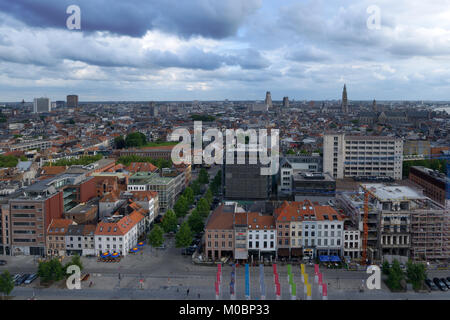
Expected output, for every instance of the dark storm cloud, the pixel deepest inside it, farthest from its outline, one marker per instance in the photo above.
(209, 18)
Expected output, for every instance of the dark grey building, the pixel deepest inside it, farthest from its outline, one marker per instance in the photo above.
(314, 184)
(244, 181)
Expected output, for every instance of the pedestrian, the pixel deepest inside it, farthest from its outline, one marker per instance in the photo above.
(187, 292)
(199, 295)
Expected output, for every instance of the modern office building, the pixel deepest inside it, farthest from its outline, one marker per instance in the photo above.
(291, 166)
(309, 185)
(268, 100)
(32, 211)
(41, 105)
(245, 181)
(72, 101)
(352, 156)
(168, 184)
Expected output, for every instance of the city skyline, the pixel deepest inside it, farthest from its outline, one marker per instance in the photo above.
(216, 51)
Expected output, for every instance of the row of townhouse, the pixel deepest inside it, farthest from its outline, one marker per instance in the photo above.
(296, 229)
(116, 233)
(306, 229)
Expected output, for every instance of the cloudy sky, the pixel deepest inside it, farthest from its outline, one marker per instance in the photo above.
(225, 49)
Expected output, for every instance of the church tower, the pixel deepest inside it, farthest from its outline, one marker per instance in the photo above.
(344, 100)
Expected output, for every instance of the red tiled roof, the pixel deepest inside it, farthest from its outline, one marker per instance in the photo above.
(141, 167)
(59, 226)
(119, 228)
(295, 211)
(110, 197)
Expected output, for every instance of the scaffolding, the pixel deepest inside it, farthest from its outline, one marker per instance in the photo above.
(430, 234)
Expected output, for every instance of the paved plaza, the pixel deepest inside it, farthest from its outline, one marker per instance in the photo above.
(166, 274)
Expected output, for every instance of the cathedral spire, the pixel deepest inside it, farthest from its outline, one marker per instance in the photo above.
(344, 100)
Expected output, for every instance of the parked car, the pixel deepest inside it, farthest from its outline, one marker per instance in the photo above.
(448, 279)
(16, 276)
(446, 282)
(22, 279)
(431, 285)
(31, 278)
(3, 262)
(440, 284)
(188, 251)
(161, 247)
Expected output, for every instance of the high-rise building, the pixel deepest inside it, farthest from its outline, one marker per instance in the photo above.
(352, 156)
(268, 100)
(344, 100)
(153, 109)
(286, 102)
(41, 105)
(244, 181)
(72, 101)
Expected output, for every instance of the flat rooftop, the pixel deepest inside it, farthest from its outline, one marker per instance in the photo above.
(384, 192)
(82, 208)
(313, 176)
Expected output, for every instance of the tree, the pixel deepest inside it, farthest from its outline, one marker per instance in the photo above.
(181, 207)
(155, 238)
(416, 274)
(203, 177)
(183, 237)
(6, 283)
(209, 197)
(51, 270)
(160, 163)
(119, 142)
(169, 221)
(395, 276)
(216, 183)
(76, 260)
(385, 268)
(195, 222)
(196, 187)
(189, 194)
(135, 139)
(203, 207)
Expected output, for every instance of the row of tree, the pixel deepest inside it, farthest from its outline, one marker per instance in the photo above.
(10, 161)
(435, 164)
(53, 270)
(415, 274)
(48, 271)
(160, 163)
(196, 220)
